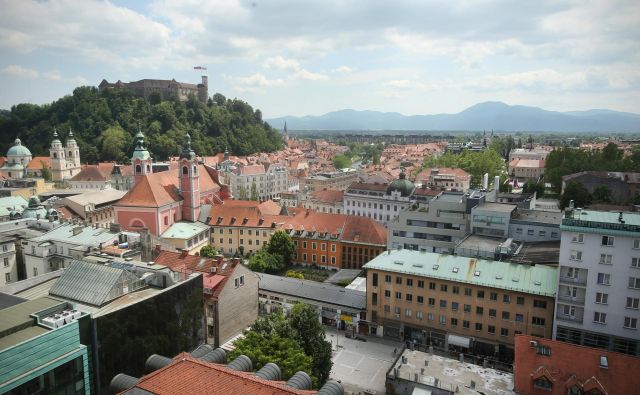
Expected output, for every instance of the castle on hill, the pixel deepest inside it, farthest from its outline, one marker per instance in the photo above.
(166, 88)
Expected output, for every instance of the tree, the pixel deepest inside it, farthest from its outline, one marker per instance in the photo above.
(311, 336)
(281, 245)
(340, 161)
(283, 351)
(611, 153)
(208, 251)
(294, 274)
(577, 192)
(45, 173)
(265, 262)
(601, 194)
(114, 141)
(242, 193)
(534, 187)
(254, 191)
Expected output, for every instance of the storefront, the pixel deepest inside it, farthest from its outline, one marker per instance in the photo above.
(393, 330)
(458, 343)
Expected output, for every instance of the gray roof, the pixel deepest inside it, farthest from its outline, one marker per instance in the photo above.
(18, 317)
(88, 283)
(538, 216)
(89, 235)
(7, 300)
(307, 289)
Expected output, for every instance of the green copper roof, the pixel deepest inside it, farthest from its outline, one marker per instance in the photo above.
(184, 230)
(403, 185)
(602, 222)
(18, 149)
(187, 151)
(140, 152)
(539, 280)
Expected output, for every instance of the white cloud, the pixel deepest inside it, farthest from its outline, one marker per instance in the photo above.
(309, 76)
(400, 84)
(280, 63)
(53, 75)
(343, 70)
(258, 80)
(19, 71)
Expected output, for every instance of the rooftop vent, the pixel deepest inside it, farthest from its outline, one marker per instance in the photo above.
(537, 283)
(476, 273)
(499, 277)
(418, 265)
(515, 279)
(455, 270)
(435, 267)
(398, 262)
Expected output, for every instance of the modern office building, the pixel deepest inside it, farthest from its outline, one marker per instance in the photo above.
(41, 350)
(598, 301)
(435, 226)
(471, 304)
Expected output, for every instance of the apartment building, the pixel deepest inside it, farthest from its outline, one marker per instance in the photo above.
(380, 202)
(325, 201)
(459, 303)
(528, 153)
(246, 181)
(241, 226)
(446, 178)
(339, 180)
(436, 226)
(599, 280)
(9, 267)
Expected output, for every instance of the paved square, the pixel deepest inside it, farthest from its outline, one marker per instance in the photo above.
(361, 365)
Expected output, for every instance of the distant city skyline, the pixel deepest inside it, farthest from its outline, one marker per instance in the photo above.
(314, 57)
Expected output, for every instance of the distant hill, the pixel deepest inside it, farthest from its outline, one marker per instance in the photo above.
(483, 116)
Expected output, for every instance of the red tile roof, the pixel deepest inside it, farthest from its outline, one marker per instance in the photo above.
(159, 189)
(189, 375)
(571, 364)
(251, 170)
(245, 213)
(330, 196)
(38, 162)
(364, 230)
(177, 261)
(93, 173)
(457, 172)
(365, 186)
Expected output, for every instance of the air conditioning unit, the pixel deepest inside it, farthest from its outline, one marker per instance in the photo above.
(533, 343)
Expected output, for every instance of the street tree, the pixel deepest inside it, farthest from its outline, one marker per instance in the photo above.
(281, 245)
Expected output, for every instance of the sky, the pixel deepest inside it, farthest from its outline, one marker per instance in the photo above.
(311, 57)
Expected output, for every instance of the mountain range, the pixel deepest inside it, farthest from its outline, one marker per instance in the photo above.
(496, 116)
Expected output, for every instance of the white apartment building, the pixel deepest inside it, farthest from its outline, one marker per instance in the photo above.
(380, 202)
(598, 302)
(8, 266)
(526, 153)
(268, 184)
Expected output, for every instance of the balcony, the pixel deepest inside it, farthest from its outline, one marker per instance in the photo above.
(569, 318)
(573, 280)
(571, 299)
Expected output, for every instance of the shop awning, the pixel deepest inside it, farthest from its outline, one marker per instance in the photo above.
(459, 341)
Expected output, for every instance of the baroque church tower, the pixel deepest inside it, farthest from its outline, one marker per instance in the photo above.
(189, 181)
(141, 160)
(65, 161)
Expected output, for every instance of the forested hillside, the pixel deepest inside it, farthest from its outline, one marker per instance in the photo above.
(104, 124)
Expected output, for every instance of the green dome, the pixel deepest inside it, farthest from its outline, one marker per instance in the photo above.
(18, 149)
(34, 201)
(402, 185)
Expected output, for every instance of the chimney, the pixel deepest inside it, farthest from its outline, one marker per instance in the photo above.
(157, 249)
(485, 181)
(496, 183)
(184, 253)
(77, 230)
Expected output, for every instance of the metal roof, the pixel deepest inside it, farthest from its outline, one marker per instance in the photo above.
(87, 282)
(7, 300)
(184, 230)
(18, 317)
(87, 236)
(540, 280)
(307, 289)
(20, 336)
(602, 222)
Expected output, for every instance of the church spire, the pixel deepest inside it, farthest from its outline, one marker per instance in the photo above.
(187, 151)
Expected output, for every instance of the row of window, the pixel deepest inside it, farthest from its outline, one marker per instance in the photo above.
(314, 258)
(250, 232)
(541, 233)
(455, 289)
(605, 259)
(314, 245)
(375, 205)
(607, 241)
(601, 318)
(603, 298)
(249, 241)
(442, 319)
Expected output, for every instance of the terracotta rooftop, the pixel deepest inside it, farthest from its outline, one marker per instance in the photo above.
(159, 189)
(457, 172)
(364, 230)
(189, 375)
(571, 365)
(245, 213)
(93, 173)
(251, 170)
(365, 186)
(38, 162)
(328, 196)
(177, 261)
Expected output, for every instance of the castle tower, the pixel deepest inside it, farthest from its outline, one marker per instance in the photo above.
(140, 160)
(56, 155)
(72, 157)
(189, 181)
